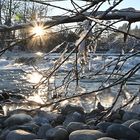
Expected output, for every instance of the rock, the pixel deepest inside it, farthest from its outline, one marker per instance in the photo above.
(116, 115)
(60, 126)
(57, 134)
(103, 126)
(43, 117)
(20, 135)
(93, 114)
(73, 117)
(17, 119)
(40, 139)
(91, 123)
(118, 121)
(73, 126)
(135, 126)
(106, 138)
(122, 132)
(19, 111)
(129, 122)
(4, 133)
(30, 127)
(100, 107)
(2, 119)
(59, 120)
(130, 115)
(86, 135)
(72, 108)
(42, 130)
(40, 120)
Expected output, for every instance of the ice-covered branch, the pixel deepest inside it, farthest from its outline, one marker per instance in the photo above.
(128, 14)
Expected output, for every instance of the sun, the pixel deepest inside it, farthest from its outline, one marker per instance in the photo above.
(39, 35)
(38, 30)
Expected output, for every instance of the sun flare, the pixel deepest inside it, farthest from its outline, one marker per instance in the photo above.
(38, 30)
(39, 35)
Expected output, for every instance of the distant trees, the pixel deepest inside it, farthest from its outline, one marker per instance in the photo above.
(14, 12)
(115, 40)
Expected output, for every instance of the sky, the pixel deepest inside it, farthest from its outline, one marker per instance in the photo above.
(124, 4)
(130, 3)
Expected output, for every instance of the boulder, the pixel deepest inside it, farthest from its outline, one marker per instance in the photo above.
(116, 115)
(40, 139)
(72, 108)
(4, 133)
(40, 120)
(57, 134)
(2, 119)
(106, 138)
(86, 135)
(73, 126)
(17, 119)
(129, 122)
(73, 117)
(122, 132)
(103, 126)
(20, 135)
(130, 115)
(43, 117)
(135, 126)
(30, 127)
(59, 120)
(93, 114)
(42, 130)
(91, 123)
(117, 121)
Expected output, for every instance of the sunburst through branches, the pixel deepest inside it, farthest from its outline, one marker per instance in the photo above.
(38, 30)
(39, 33)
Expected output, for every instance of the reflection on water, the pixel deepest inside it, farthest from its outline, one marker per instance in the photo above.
(36, 98)
(39, 53)
(34, 77)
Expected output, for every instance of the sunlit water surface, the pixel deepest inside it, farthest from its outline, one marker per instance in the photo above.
(18, 78)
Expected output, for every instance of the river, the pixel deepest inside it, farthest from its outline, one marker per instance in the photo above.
(20, 78)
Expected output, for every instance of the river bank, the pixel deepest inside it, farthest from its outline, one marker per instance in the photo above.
(70, 123)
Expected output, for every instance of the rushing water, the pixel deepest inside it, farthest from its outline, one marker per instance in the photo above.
(20, 78)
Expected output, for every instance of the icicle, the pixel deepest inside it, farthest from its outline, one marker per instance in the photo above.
(5, 110)
(122, 52)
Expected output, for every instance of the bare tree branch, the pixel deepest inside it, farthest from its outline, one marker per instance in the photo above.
(130, 15)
